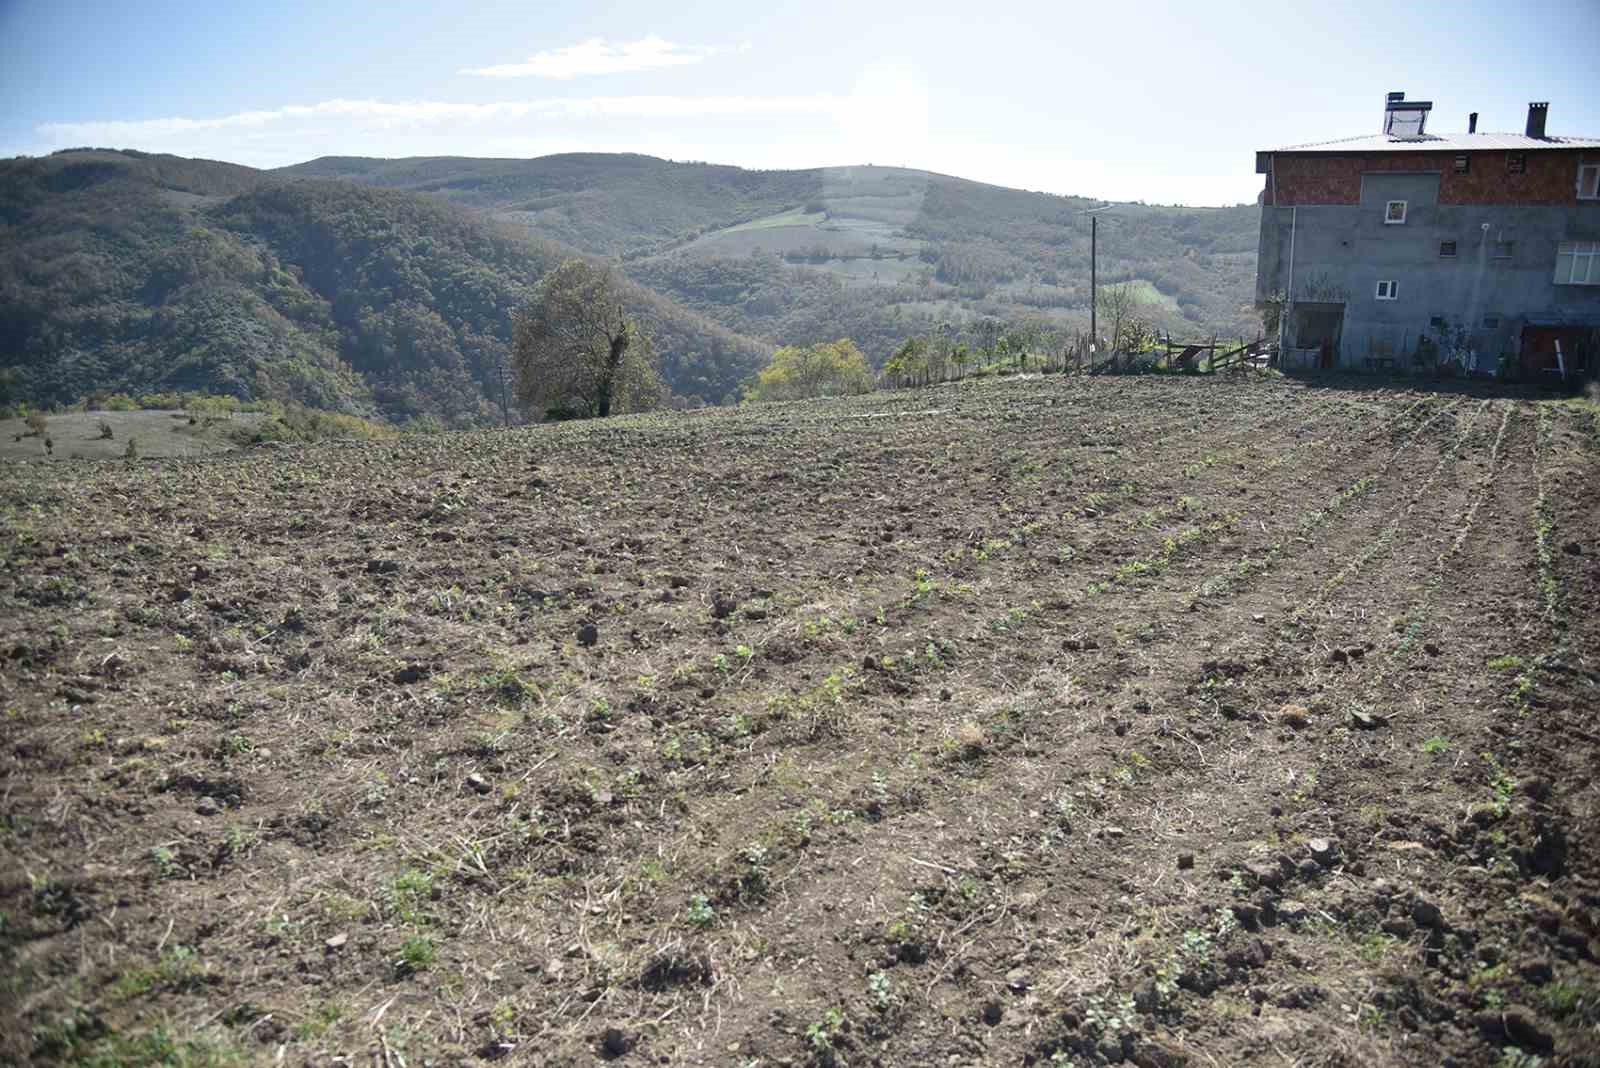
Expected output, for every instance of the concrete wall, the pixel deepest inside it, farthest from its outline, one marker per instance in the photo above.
(1341, 251)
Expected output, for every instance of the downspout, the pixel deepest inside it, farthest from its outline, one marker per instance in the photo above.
(1288, 297)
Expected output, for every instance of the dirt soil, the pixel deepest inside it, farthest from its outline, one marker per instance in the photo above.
(1049, 722)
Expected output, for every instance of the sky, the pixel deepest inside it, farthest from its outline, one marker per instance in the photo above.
(1161, 102)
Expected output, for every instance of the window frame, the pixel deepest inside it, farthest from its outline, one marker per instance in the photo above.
(1388, 212)
(1393, 285)
(1450, 245)
(1593, 170)
(1587, 252)
(1463, 163)
(1516, 163)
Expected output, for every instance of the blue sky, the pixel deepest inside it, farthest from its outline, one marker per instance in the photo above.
(1164, 102)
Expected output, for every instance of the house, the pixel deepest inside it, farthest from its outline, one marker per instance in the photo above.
(1408, 249)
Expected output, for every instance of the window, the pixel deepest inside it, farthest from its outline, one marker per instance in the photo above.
(1394, 212)
(1516, 163)
(1502, 250)
(1578, 263)
(1447, 249)
(1589, 181)
(1491, 322)
(1437, 322)
(1463, 162)
(1388, 289)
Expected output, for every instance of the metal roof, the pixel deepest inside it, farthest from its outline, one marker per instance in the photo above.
(1462, 142)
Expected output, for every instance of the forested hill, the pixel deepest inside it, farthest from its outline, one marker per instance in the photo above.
(616, 205)
(121, 271)
(386, 287)
(874, 253)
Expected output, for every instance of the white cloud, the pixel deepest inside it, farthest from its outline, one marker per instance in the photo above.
(598, 56)
(421, 113)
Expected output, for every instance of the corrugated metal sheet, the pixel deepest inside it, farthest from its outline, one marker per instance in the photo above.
(1463, 142)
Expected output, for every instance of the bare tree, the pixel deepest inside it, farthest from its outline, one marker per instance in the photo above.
(1122, 306)
(575, 350)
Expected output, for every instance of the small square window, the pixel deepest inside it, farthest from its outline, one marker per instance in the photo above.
(1388, 289)
(1516, 163)
(1437, 322)
(1463, 162)
(1491, 322)
(1447, 249)
(1394, 213)
(1502, 250)
(1589, 181)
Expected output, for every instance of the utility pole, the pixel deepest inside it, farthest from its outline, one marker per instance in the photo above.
(505, 407)
(1094, 280)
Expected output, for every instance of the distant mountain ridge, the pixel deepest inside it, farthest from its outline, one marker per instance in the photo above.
(907, 249)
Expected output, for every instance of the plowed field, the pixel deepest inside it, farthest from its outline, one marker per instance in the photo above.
(1067, 721)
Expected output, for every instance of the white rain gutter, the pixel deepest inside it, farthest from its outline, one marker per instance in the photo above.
(1288, 297)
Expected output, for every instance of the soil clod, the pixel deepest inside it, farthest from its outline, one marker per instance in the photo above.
(614, 1043)
(1296, 716)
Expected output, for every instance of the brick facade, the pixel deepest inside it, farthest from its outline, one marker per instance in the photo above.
(1551, 177)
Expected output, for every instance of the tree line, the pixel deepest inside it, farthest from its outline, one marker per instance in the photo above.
(578, 354)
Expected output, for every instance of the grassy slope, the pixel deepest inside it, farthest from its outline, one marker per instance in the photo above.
(77, 435)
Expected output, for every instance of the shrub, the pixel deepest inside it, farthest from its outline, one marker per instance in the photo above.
(825, 370)
(37, 423)
(105, 431)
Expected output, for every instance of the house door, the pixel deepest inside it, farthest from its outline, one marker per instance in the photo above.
(1317, 327)
(1538, 355)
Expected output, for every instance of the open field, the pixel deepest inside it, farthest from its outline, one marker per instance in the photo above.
(1046, 721)
(155, 433)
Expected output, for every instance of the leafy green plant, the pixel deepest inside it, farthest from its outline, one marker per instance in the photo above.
(1512, 1057)
(881, 989)
(823, 1033)
(1108, 1014)
(700, 913)
(416, 953)
(1565, 999)
(317, 1022)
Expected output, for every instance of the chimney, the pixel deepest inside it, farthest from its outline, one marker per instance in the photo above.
(1405, 118)
(1537, 112)
(1472, 123)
